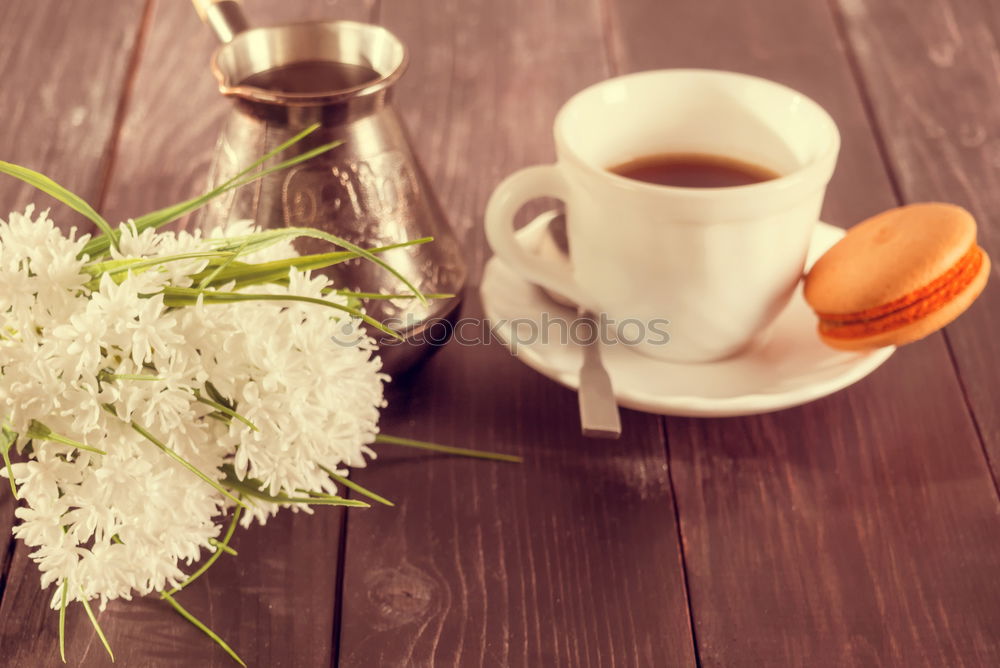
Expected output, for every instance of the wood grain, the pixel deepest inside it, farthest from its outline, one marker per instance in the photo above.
(935, 90)
(862, 529)
(570, 559)
(57, 113)
(858, 530)
(273, 603)
(63, 67)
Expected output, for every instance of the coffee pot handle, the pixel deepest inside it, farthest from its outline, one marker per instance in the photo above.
(514, 192)
(224, 17)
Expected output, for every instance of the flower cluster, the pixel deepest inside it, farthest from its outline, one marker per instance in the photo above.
(144, 412)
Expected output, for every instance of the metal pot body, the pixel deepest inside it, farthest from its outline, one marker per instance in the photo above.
(369, 190)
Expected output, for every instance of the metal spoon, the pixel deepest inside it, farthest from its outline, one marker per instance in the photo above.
(599, 417)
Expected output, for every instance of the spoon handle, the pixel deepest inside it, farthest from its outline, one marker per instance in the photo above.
(599, 417)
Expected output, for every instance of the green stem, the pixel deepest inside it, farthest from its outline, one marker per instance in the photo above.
(347, 245)
(126, 376)
(350, 484)
(219, 545)
(39, 432)
(183, 462)
(226, 410)
(203, 283)
(9, 438)
(178, 297)
(99, 245)
(124, 265)
(201, 627)
(62, 621)
(243, 274)
(96, 625)
(249, 489)
(224, 544)
(379, 295)
(158, 219)
(447, 449)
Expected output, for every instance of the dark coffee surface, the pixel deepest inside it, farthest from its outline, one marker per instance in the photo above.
(694, 170)
(312, 76)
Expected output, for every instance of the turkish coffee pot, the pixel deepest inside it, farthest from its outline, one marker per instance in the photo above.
(369, 190)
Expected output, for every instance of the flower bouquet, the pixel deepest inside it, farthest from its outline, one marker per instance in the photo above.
(160, 389)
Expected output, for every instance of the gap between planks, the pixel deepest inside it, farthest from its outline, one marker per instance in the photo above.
(882, 145)
(108, 162)
(615, 58)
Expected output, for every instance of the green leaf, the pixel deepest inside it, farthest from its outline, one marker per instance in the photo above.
(62, 621)
(296, 232)
(247, 273)
(226, 410)
(447, 449)
(204, 629)
(223, 547)
(124, 265)
(379, 295)
(158, 219)
(179, 297)
(155, 219)
(183, 462)
(207, 280)
(50, 187)
(7, 440)
(253, 488)
(214, 393)
(96, 625)
(350, 484)
(39, 432)
(276, 271)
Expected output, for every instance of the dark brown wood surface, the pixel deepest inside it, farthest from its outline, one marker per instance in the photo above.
(58, 114)
(834, 533)
(502, 559)
(935, 89)
(860, 530)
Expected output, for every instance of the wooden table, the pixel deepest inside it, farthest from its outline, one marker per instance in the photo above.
(859, 530)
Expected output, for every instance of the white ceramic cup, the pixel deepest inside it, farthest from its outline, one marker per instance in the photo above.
(718, 263)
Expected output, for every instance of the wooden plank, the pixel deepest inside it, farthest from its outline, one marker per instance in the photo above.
(571, 558)
(56, 120)
(568, 559)
(62, 68)
(275, 602)
(862, 529)
(935, 89)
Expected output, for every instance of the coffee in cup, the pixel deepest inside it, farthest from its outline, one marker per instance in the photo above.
(719, 254)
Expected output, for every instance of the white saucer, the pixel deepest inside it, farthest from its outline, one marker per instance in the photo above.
(787, 367)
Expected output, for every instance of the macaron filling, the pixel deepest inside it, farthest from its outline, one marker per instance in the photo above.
(908, 308)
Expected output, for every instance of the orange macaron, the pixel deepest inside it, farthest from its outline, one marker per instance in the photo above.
(897, 277)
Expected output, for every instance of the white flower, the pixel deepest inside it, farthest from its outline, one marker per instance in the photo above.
(104, 363)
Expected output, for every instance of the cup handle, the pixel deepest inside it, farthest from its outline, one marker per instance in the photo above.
(514, 192)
